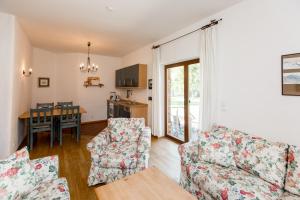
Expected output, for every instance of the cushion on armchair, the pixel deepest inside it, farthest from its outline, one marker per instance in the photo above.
(46, 168)
(216, 147)
(125, 129)
(293, 172)
(17, 175)
(261, 157)
(231, 183)
(121, 155)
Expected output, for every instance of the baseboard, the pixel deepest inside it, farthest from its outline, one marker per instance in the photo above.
(93, 127)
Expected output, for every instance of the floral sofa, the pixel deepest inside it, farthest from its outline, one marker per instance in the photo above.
(21, 178)
(228, 164)
(119, 150)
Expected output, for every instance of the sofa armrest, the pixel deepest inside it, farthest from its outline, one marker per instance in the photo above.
(46, 169)
(98, 142)
(189, 152)
(144, 141)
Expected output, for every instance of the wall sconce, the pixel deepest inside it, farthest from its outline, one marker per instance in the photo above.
(29, 72)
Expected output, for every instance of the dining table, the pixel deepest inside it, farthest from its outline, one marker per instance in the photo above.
(56, 113)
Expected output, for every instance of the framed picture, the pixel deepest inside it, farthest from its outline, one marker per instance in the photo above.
(290, 72)
(44, 82)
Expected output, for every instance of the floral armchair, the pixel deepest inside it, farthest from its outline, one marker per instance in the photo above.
(21, 178)
(119, 150)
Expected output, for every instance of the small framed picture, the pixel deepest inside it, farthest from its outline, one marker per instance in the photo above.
(44, 82)
(290, 74)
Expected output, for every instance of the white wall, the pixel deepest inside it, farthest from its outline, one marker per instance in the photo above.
(6, 64)
(21, 85)
(15, 53)
(66, 81)
(251, 39)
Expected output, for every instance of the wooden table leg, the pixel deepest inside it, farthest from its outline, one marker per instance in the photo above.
(26, 131)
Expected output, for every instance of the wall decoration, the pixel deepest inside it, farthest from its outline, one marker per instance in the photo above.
(150, 84)
(290, 67)
(93, 81)
(44, 82)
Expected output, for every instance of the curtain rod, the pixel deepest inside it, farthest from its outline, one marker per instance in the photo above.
(212, 23)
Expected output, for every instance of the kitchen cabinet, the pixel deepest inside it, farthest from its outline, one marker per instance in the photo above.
(134, 76)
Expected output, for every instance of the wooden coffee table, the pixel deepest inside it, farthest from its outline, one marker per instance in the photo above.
(149, 184)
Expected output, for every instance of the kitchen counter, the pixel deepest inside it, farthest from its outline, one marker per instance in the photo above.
(129, 103)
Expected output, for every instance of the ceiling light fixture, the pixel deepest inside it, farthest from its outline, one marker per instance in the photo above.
(88, 67)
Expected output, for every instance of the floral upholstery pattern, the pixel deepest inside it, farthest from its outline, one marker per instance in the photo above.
(17, 175)
(32, 179)
(261, 158)
(120, 150)
(46, 169)
(231, 183)
(259, 172)
(101, 140)
(56, 189)
(191, 187)
(216, 147)
(125, 129)
(289, 196)
(189, 152)
(107, 175)
(293, 173)
(117, 155)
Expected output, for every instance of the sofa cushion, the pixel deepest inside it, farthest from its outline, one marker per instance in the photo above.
(46, 168)
(289, 196)
(231, 183)
(51, 190)
(216, 147)
(17, 175)
(216, 127)
(125, 129)
(261, 157)
(293, 172)
(121, 155)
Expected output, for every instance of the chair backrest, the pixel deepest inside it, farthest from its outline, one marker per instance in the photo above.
(69, 114)
(66, 103)
(41, 116)
(126, 129)
(44, 105)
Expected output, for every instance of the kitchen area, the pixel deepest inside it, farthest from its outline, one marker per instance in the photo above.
(128, 80)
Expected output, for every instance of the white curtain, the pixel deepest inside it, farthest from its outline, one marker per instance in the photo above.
(157, 95)
(208, 77)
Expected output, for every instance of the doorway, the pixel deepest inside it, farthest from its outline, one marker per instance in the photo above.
(182, 100)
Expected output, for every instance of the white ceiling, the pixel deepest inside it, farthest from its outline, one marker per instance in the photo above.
(67, 25)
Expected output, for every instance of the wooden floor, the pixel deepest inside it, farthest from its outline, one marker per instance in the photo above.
(74, 161)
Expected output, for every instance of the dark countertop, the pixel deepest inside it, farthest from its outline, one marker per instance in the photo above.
(128, 103)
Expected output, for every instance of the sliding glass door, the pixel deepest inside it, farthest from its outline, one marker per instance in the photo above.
(182, 100)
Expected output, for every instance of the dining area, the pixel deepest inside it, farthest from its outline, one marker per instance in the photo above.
(53, 119)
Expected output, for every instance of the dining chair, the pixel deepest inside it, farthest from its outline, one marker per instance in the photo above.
(69, 118)
(56, 119)
(44, 105)
(41, 120)
(66, 103)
